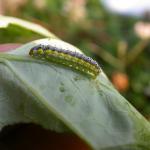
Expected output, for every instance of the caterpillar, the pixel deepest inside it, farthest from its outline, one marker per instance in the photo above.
(66, 57)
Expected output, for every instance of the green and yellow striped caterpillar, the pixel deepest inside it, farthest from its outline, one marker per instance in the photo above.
(71, 59)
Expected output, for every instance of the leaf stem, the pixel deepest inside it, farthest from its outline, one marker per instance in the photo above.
(136, 51)
(106, 56)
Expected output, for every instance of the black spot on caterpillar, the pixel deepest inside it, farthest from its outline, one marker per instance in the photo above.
(71, 59)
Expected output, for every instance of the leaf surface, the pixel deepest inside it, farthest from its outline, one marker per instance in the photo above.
(62, 99)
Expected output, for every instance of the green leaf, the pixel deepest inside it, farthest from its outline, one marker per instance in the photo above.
(18, 30)
(63, 100)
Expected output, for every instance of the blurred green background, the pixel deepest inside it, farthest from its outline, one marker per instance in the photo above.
(117, 42)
